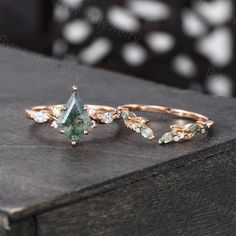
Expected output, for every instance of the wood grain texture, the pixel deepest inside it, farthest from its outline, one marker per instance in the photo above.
(39, 171)
(196, 199)
(25, 227)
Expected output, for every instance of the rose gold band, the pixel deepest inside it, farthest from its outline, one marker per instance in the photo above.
(177, 133)
(166, 110)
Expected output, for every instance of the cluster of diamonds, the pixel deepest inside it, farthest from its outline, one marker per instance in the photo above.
(41, 117)
(50, 115)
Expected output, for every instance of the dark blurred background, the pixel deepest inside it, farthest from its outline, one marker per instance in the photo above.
(187, 44)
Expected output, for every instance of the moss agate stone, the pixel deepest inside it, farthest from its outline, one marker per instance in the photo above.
(74, 120)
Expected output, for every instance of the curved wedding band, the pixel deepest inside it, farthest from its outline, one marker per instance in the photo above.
(177, 133)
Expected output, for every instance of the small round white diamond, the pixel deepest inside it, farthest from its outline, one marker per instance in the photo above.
(176, 138)
(40, 117)
(93, 124)
(203, 131)
(91, 111)
(136, 128)
(54, 125)
(56, 111)
(107, 118)
(208, 123)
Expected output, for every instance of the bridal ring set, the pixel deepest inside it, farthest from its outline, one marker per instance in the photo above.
(75, 119)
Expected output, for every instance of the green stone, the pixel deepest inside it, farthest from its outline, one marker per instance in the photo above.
(125, 115)
(75, 119)
(147, 133)
(194, 128)
(166, 138)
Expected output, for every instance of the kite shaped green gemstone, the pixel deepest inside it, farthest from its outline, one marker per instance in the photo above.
(74, 120)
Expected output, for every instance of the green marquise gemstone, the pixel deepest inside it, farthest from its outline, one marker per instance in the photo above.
(75, 119)
(194, 128)
(147, 133)
(125, 115)
(166, 138)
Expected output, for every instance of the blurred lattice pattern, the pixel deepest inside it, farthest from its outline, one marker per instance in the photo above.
(189, 44)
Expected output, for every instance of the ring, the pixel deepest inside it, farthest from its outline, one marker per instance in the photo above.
(177, 133)
(75, 119)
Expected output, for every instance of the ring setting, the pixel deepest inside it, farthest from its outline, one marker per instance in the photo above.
(76, 119)
(73, 119)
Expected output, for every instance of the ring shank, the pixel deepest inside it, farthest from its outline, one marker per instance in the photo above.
(166, 110)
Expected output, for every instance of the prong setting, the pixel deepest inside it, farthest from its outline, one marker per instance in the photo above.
(73, 143)
(75, 88)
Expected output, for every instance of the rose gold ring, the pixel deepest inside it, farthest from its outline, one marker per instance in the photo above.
(73, 118)
(177, 133)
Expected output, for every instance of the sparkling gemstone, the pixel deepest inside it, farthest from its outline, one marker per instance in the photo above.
(131, 114)
(56, 111)
(75, 119)
(166, 138)
(194, 128)
(203, 131)
(208, 123)
(147, 133)
(135, 128)
(176, 139)
(125, 115)
(54, 125)
(93, 124)
(40, 117)
(91, 111)
(107, 118)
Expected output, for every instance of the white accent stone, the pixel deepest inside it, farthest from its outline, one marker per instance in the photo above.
(136, 128)
(91, 111)
(40, 117)
(56, 111)
(176, 139)
(107, 118)
(54, 125)
(203, 131)
(93, 124)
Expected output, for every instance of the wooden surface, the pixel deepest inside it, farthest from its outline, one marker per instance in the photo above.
(39, 171)
(196, 199)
